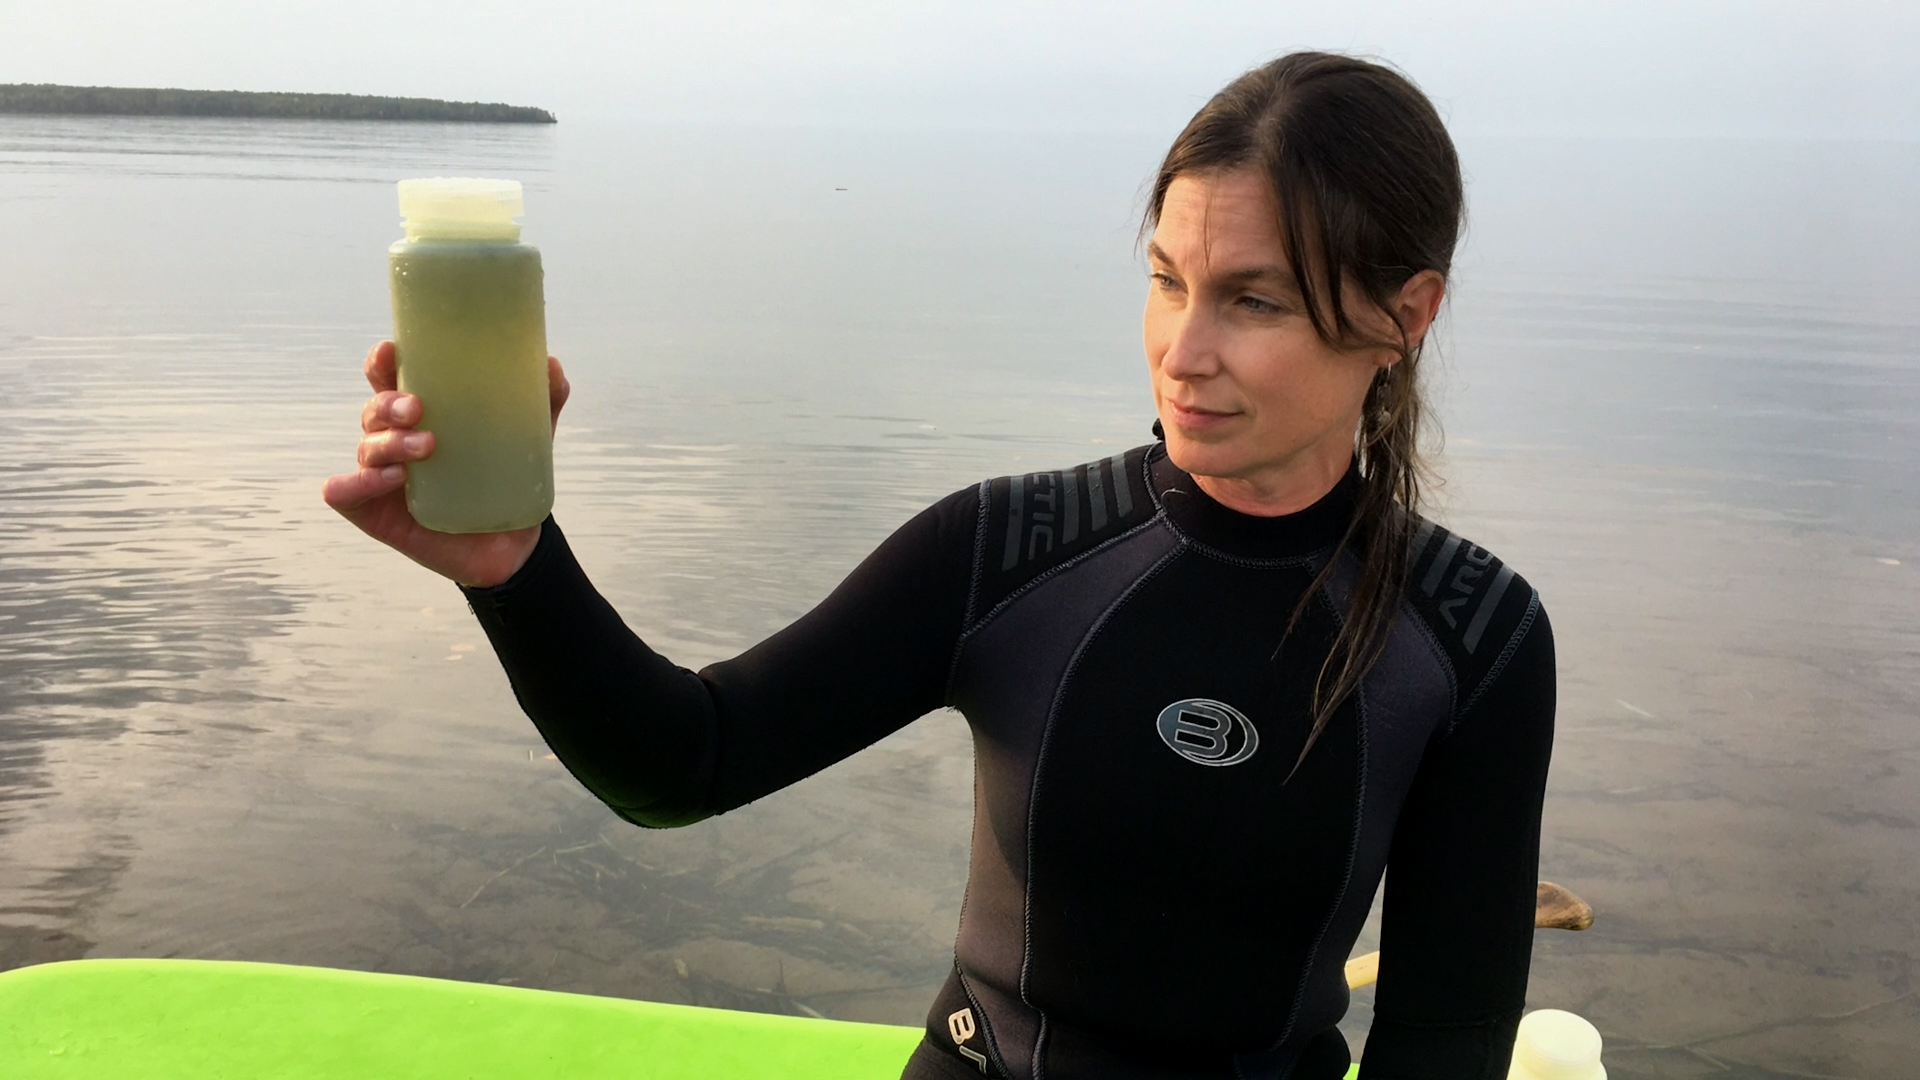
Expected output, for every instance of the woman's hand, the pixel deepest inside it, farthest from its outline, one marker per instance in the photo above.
(373, 497)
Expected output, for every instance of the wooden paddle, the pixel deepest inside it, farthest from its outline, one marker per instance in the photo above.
(1554, 908)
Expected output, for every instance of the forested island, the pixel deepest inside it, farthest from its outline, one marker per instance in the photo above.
(46, 98)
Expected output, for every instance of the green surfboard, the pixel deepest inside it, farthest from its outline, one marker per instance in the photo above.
(181, 1019)
(225, 1020)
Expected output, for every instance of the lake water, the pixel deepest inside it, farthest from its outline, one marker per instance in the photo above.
(1681, 393)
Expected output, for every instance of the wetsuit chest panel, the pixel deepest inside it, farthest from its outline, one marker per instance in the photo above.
(1171, 891)
(1007, 675)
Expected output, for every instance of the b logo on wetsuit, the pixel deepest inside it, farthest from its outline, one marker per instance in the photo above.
(960, 1025)
(1208, 732)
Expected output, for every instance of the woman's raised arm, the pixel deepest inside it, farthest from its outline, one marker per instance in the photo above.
(660, 744)
(664, 746)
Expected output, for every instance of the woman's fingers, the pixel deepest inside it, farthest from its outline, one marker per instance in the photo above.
(380, 367)
(372, 498)
(375, 501)
(394, 446)
(389, 409)
(558, 388)
(348, 492)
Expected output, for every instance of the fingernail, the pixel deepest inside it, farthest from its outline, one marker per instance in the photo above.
(402, 408)
(393, 472)
(415, 442)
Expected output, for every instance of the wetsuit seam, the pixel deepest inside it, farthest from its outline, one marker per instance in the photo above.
(1040, 1049)
(1346, 876)
(1500, 662)
(1054, 571)
(975, 576)
(967, 633)
(1439, 652)
(1040, 758)
(1146, 480)
(966, 891)
(1291, 562)
(980, 1015)
(979, 551)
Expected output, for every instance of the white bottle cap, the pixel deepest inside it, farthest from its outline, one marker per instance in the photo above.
(461, 208)
(1557, 1045)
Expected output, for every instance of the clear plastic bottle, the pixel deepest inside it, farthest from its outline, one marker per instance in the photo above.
(1556, 1045)
(470, 337)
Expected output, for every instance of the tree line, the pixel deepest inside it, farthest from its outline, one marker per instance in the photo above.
(47, 98)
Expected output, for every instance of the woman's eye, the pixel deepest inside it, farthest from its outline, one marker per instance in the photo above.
(1259, 306)
(1164, 281)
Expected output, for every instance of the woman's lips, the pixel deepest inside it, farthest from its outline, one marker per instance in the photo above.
(1197, 419)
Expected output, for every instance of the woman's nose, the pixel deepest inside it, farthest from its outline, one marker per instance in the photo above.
(1192, 349)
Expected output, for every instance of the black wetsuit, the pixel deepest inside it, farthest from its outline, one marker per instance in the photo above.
(1147, 898)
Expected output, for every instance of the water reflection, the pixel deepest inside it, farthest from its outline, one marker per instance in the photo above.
(231, 728)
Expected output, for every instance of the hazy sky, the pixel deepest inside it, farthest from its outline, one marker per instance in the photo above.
(1613, 66)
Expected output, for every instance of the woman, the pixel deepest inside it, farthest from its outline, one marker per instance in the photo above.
(1218, 684)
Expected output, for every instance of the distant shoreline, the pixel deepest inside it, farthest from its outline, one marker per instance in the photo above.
(47, 99)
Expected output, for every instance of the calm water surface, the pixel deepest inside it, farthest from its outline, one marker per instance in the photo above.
(1681, 393)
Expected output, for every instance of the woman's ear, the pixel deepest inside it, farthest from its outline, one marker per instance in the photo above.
(1418, 304)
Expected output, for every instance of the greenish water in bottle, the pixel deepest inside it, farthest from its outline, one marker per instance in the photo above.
(470, 337)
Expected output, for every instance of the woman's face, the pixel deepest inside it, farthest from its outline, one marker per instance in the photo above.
(1252, 401)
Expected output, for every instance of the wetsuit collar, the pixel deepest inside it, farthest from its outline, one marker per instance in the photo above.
(1196, 515)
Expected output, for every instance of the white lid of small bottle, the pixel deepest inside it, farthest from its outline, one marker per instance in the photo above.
(461, 208)
(1556, 1045)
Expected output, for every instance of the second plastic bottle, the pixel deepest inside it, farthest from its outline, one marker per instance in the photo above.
(470, 336)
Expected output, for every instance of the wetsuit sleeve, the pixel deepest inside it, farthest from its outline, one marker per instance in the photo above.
(664, 746)
(1457, 927)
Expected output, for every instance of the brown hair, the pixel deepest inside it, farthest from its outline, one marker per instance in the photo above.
(1369, 193)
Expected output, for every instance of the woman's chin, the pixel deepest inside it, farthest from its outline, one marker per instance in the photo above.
(1204, 457)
